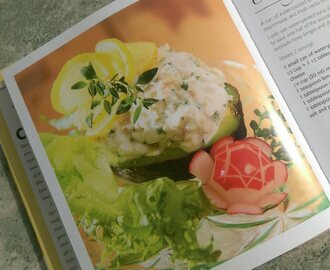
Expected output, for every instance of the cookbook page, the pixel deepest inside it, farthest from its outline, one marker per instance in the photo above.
(162, 145)
(293, 39)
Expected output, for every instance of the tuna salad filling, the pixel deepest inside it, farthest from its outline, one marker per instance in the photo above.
(192, 102)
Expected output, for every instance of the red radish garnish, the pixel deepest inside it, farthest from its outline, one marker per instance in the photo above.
(281, 172)
(201, 166)
(263, 146)
(219, 144)
(215, 198)
(241, 208)
(240, 176)
(272, 199)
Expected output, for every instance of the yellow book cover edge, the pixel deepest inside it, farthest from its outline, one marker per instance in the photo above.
(29, 201)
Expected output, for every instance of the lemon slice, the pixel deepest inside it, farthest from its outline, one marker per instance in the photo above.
(120, 55)
(144, 55)
(63, 98)
(102, 122)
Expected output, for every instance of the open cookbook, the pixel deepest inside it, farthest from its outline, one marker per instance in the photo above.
(174, 134)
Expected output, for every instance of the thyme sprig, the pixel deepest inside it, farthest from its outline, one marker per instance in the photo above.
(263, 128)
(108, 93)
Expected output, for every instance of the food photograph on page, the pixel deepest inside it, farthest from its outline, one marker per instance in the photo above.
(167, 144)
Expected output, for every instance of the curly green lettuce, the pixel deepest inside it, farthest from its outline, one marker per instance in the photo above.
(134, 221)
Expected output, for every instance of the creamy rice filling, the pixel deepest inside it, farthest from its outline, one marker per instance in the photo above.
(192, 102)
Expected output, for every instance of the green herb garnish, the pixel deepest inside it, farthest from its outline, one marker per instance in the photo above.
(197, 63)
(78, 85)
(262, 129)
(177, 105)
(160, 131)
(108, 93)
(147, 76)
(89, 120)
(137, 114)
(185, 86)
(95, 103)
(215, 117)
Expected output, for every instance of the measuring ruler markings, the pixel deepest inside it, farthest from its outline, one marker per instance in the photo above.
(39, 186)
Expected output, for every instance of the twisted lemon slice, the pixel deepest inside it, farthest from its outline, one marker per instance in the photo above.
(111, 57)
(120, 56)
(63, 98)
(144, 55)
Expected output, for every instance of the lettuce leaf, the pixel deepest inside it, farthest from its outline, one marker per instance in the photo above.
(135, 221)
